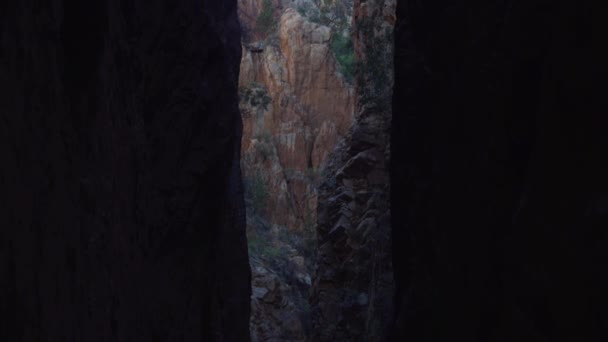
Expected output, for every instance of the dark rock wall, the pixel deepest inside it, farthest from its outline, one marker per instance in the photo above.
(121, 211)
(499, 184)
(352, 293)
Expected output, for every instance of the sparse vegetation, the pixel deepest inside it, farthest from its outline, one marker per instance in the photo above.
(344, 51)
(263, 136)
(256, 191)
(303, 12)
(256, 95)
(260, 244)
(372, 72)
(341, 41)
(264, 145)
(266, 21)
(313, 174)
(308, 238)
(333, 17)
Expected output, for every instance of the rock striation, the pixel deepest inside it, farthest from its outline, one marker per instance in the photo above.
(295, 104)
(295, 107)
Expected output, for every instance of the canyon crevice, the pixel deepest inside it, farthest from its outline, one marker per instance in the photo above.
(470, 202)
(296, 103)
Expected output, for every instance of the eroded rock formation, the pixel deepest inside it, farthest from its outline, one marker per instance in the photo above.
(352, 291)
(121, 210)
(296, 103)
(295, 107)
(277, 314)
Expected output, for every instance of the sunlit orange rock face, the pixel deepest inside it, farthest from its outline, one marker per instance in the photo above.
(308, 107)
(296, 106)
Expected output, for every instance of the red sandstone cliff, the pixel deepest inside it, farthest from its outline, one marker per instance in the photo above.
(296, 104)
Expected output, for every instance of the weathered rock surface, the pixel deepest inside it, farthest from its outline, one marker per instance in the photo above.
(352, 293)
(498, 171)
(296, 105)
(121, 207)
(276, 317)
(308, 107)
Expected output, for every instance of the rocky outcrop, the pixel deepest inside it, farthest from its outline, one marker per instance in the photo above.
(121, 208)
(352, 289)
(498, 171)
(276, 316)
(295, 107)
(281, 279)
(296, 104)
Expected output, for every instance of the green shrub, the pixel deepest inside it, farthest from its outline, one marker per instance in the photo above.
(256, 95)
(304, 239)
(266, 21)
(342, 45)
(261, 244)
(344, 52)
(270, 251)
(264, 147)
(302, 11)
(254, 242)
(256, 191)
(372, 72)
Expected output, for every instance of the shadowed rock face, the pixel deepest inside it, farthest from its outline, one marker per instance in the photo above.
(498, 179)
(352, 293)
(121, 205)
(120, 202)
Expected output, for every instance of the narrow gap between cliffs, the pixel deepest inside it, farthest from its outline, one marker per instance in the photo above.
(300, 96)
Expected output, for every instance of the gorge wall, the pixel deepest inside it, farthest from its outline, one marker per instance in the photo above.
(121, 208)
(498, 171)
(352, 292)
(296, 101)
(122, 214)
(498, 191)
(295, 105)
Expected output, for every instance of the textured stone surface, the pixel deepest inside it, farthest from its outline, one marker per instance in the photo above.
(498, 171)
(295, 106)
(310, 108)
(121, 205)
(352, 291)
(276, 316)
